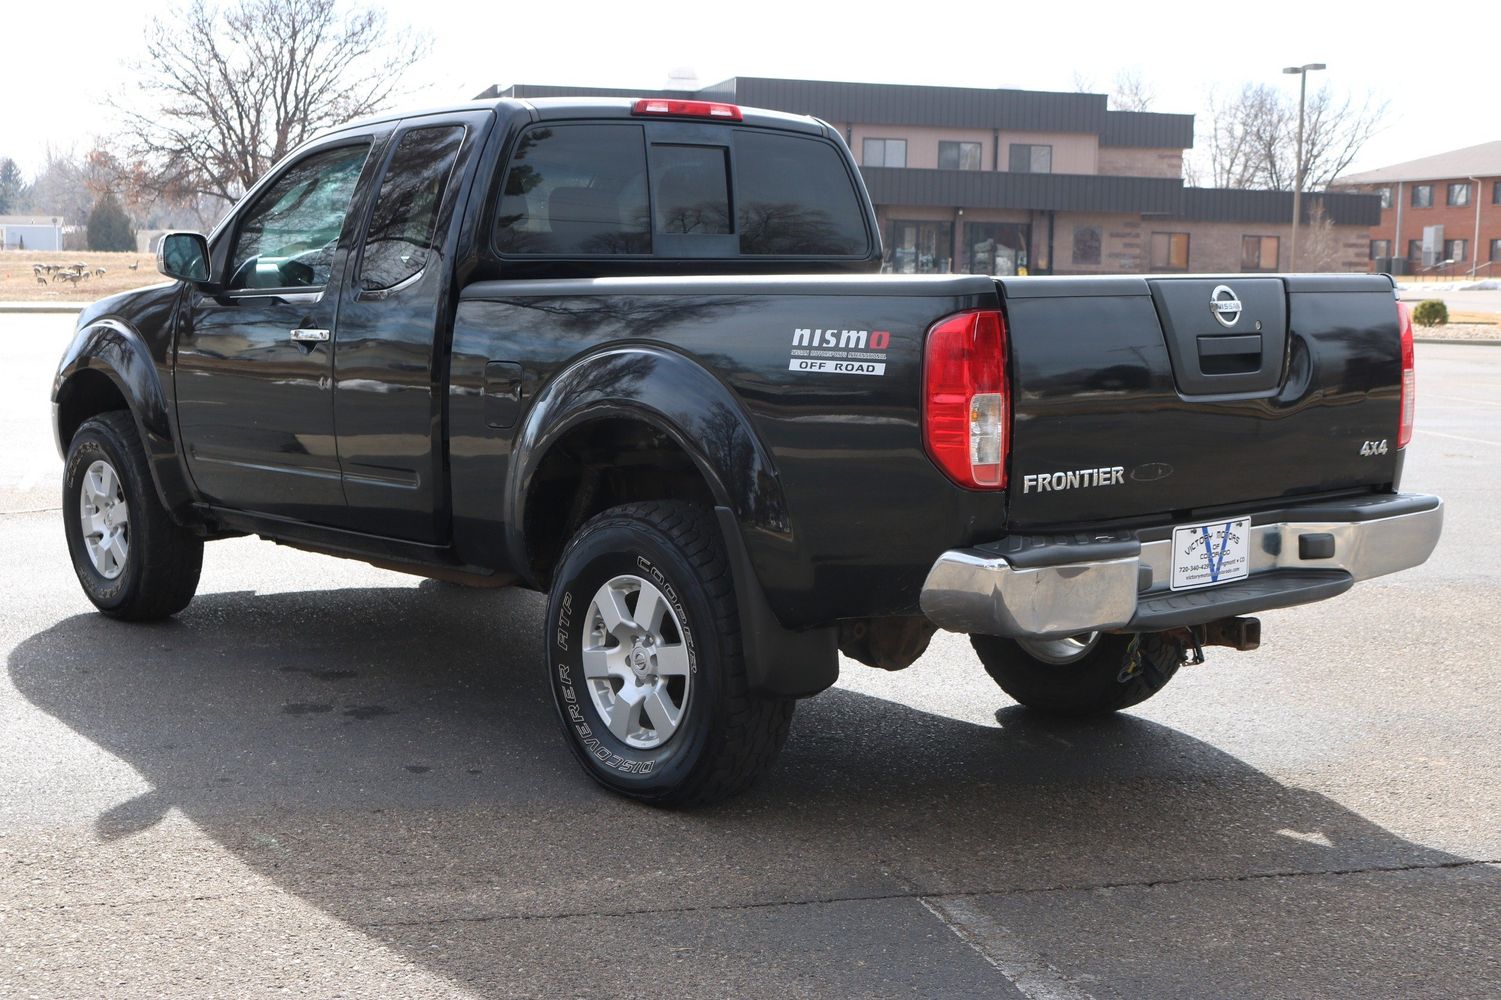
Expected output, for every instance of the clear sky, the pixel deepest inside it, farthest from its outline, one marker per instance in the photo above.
(1437, 66)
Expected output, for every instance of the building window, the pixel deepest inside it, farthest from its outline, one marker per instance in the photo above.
(1386, 197)
(1459, 194)
(1381, 248)
(918, 247)
(958, 155)
(1027, 159)
(1415, 250)
(1455, 249)
(1422, 195)
(1496, 192)
(1258, 253)
(1496, 250)
(884, 153)
(1086, 244)
(1170, 251)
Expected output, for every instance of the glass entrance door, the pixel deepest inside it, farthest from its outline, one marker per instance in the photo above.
(995, 247)
(919, 247)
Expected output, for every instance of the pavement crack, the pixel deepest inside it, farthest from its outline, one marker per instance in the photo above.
(924, 897)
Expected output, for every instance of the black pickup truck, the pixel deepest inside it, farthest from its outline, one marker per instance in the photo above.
(635, 355)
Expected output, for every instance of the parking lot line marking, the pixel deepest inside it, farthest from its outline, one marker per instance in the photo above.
(1461, 437)
(1033, 977)
(1463, 399)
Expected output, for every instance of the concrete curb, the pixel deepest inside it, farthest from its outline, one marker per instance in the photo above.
(43, 307)
(1456, 340)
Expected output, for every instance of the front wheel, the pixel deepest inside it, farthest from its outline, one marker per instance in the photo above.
(133, 561)
(1092, 674)
(645, 659)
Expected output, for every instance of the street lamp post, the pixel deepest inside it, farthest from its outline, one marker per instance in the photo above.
(1475, 246)
(1302, 72)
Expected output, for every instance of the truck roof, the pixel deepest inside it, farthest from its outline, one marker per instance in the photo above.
(560, 108)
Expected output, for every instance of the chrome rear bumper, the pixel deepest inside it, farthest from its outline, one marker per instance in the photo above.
(1049, 587)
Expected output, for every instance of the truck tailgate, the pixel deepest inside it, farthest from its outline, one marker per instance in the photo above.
(1156, 397)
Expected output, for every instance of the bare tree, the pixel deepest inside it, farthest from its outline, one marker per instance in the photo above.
(1335, 130)
(229, 89)
(1320, 246)
(59, 189)
(1252, 140)
(1129, 92)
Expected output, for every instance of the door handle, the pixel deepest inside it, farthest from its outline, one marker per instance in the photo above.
(305, 336)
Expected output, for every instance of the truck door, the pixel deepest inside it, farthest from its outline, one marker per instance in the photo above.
(254, 360)
(391, 357)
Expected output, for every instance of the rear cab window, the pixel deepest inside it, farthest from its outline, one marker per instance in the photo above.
(677, 190)
(575, 190)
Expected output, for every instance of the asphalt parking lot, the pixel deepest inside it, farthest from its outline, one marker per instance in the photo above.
(323, 779)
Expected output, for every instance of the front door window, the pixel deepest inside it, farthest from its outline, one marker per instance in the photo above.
(287, 238)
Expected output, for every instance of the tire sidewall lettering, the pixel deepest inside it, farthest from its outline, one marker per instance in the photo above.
(81, 456)
(592, 740)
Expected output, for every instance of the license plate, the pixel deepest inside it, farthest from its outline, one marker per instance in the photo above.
(1205, 555)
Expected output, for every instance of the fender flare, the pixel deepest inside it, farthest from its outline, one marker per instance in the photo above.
(679, 398)
(672, 394)
(119, 353)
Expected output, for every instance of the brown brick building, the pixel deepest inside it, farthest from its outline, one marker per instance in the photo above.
(995, 181)
(1440, 214)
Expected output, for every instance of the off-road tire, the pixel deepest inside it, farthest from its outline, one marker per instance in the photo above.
(728, 735)
(1099, 682)
(163, 560)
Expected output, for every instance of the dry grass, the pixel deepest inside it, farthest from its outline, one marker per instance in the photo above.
(1460, 316)
(18, 282)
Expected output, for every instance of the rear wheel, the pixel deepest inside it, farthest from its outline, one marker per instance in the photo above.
(1093, 673)
(133, 561)
(645, 659)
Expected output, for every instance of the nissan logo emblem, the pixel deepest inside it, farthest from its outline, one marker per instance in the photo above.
(1224, 305)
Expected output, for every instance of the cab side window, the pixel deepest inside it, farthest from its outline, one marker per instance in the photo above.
(576, 189)
(287, 238)
(404, 223)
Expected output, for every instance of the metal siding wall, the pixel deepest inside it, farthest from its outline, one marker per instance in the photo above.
(944, 107)
(1147, 130)
(1225, 205)
(37, 238)
(1057, 192)
(948, 107)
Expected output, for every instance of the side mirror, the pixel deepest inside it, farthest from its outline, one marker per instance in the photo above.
(183, 256)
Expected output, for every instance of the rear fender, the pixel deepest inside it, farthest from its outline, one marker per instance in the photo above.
(676, 397)
(701, 415)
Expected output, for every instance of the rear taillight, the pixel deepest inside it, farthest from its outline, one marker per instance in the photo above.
(966, 412)
(1409, 376)
(687, 109)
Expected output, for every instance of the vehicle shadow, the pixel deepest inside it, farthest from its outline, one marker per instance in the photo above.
(391, 757)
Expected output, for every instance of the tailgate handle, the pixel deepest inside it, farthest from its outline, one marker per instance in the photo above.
(1217, 347)
(1239, 355)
